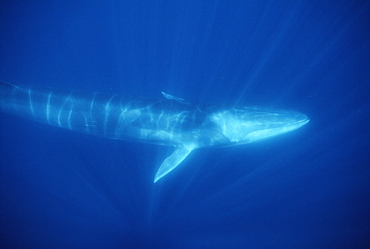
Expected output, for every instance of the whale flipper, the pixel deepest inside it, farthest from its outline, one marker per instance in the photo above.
(172, 161)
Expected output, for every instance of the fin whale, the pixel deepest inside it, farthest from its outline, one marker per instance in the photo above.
(170, 121)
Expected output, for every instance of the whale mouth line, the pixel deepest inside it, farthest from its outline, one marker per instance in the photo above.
(299, 123)
(303, 122)
(271, 132)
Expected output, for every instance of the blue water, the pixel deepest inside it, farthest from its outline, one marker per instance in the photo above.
(306, 189)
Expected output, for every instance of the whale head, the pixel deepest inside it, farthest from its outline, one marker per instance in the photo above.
(247, 125)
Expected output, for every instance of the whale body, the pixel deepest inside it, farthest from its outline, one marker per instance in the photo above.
(170, 121)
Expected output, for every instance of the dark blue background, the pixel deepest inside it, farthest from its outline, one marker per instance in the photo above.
(306, 189)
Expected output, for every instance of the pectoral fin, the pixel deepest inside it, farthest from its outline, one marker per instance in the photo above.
(172, 162)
